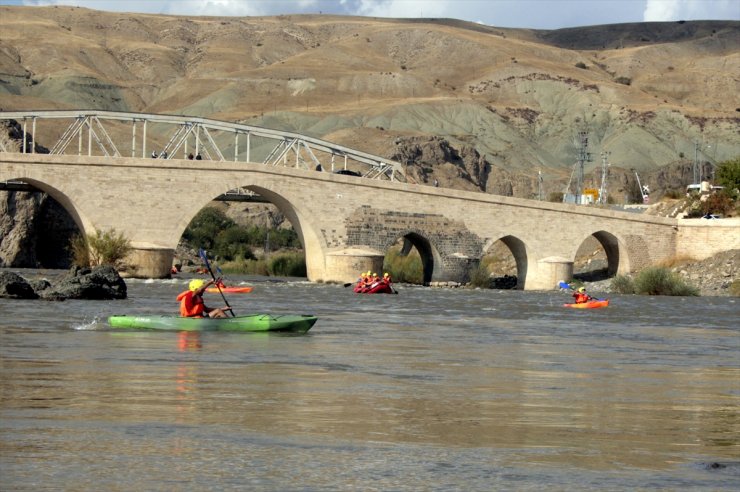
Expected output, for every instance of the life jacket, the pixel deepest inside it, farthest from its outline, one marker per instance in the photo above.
(190, 305)
(580, 298)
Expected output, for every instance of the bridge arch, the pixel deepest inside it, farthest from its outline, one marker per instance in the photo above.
(518, 249)
(614, 248)
(307, 235)
(83, 223)
(427, 251)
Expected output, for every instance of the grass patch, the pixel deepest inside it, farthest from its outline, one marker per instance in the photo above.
(290, 264)
(676, 261)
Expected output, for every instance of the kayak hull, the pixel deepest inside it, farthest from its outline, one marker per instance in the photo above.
(596, 303)
(230, 290)
(297, 323)
(381, 288)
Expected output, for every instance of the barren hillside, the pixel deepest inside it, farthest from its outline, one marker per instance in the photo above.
(645, 93)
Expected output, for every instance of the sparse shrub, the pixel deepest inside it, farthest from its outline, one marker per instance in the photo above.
(623, 284)
(673, 194)
(406, 269)
(659, 281)
(555, 196)
(623, 80)
(675, 261)
(581, 65)
(101, 248)
(717, 203)
(480, 277)
(735, 288)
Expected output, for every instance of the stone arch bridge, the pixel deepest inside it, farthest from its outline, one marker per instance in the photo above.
(347, 223)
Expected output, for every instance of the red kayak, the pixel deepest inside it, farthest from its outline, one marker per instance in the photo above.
(594, 303)
(230, 290)
(377, 288)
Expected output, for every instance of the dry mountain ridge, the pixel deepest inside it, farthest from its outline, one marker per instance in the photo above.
(507, 102)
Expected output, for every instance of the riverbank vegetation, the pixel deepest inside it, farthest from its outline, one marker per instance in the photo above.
(234, 247)
(101, 248)
(653, 281)
(404, 268)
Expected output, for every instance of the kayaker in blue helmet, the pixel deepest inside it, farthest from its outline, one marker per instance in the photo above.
(192, 305)
(580, 295)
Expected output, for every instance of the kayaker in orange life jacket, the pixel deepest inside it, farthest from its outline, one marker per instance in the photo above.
(580, 296)
(192, 305)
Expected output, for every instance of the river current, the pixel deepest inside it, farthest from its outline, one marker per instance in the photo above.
(430, 389)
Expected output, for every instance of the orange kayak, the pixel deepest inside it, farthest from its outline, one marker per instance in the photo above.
(595, 303)
(230, 290)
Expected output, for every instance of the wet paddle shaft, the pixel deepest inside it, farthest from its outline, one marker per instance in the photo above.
(204, 257)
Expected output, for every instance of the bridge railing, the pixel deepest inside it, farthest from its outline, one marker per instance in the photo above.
(118, 134)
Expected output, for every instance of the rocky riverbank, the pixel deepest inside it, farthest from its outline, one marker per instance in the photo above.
(713, 276)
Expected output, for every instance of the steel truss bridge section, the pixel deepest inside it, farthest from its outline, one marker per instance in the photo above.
(107, 133)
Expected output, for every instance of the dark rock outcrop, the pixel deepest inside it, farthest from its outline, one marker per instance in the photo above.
(35, 231)
(97, 283)
(13, 286)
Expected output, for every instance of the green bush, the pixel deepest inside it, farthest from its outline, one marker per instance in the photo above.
(232, 244)
(406, 269)
(659, 281)
(480, 277)
(287, 265)
(213, 231)
(101, 248)
(623, 284)
(205, 226)
(728, 175)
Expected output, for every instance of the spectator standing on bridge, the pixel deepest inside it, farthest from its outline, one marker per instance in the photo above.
(154, 154)
(198, 157)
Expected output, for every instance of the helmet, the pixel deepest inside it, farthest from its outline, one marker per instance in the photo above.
(375, 274)
(581, 289)
(195, 284)
(385, 274)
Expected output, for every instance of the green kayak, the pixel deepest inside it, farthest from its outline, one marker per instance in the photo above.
(300, 323)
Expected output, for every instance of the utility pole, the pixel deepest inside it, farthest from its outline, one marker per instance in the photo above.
(604, 177)
(583, 157)
(696, 163)
(539, 184)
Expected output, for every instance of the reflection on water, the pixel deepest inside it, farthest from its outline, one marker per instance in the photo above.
(426, 390)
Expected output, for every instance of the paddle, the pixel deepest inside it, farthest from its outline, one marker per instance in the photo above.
(564, 285)
(204, 257)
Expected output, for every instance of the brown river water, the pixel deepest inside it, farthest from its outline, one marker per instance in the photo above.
(430, 389)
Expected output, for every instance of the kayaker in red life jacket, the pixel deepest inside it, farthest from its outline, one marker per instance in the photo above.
(192, 305)
(387, 278)
(580, 296)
